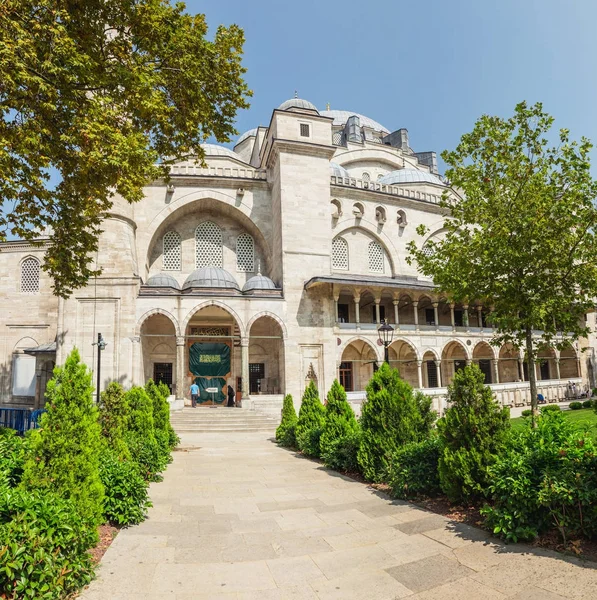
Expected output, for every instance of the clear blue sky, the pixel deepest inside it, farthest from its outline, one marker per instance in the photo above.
(432, 67)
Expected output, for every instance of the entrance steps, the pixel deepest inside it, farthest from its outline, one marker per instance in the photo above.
(205, 419)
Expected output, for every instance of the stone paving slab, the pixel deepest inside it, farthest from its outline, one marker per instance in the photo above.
(238, 518)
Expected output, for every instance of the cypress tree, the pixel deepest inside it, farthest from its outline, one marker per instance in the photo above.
(310, 422)
(285, 433)
(114, 418)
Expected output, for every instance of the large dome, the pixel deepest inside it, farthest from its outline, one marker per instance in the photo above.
(409, 176)
(210, 277)
(163, 280)
(259, 282)
(246, 135)
(297, 103)
(216, 150)
(341, 116)
(338, 170)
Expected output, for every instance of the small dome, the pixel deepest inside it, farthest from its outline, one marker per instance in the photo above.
(210, 277)
(216, 150)
(163, 280)
(246, 135)
(409, 176)
(297, 103)
(259, 282)
(341, 116)
(338, 171)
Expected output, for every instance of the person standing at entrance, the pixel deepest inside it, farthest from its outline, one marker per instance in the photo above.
(194, 394)
(231, 396)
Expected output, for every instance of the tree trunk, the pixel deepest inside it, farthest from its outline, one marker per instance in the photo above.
(532, 376)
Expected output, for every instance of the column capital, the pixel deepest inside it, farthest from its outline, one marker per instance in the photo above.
(465, 306)
(136, 339)
(180, 340)
(452, 305)
(438, 363)
(415, 303)
(419, 363)
(435, 304)
(395, 301)
(244, 341)
(377, 300)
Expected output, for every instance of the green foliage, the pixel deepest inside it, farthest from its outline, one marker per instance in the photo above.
(527, 412)
(161, 418)
(63, 455)
(546, 477)
(472, 431)
(126, 500)
(310, 422)
(285, 433)
(107, 107)
(550, 408)
(391, 416)
(575, 405)
(587, 404)
(340, 424)
(414, 469)
(341, 453)
(43, 546)
(12, 457)
(114, 418)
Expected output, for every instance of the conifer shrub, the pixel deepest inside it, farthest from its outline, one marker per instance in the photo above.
(472, 432)
(575, 405)
(339, 423)
(12, 457)
(341, 453)
(414, 469)
(310, 422)
(550, 408)
(161, 419)
(391, 416)
(285, 433)
(44, 543)
(114, 419)
(587, 404)
(63, 454)
(173, 439)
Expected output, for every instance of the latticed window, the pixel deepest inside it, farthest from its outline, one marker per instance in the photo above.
(30, 276)
(337, 138)
(245, 253)
(376, 257)
(208, 245)
(171, 256)
(366, 177)
(340, 254)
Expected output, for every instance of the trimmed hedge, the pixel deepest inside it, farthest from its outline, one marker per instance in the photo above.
(575, 405)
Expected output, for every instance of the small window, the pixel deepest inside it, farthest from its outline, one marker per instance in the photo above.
(171, 257)
(245, 253)
(304, 130)
(376, 258)
(366, 177)
(30, 276)
(340, 254)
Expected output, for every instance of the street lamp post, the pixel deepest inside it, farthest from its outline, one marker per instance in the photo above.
(386, 333)
(101, 345)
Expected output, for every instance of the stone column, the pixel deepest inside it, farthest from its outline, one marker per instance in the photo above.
(357, 311)
(452, 317)
(465, 316)
(336, 298)
(180, 370)
(244, 367)
(435, 314)
(521, 369)
(557, 368)
(416, 313)
(396, 317)
(377, 314)
(480, 316)
(420, 372)
(438, 368)
(496, 370)
(578, 372)
(468, 362)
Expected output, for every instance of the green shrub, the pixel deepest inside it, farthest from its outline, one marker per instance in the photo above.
(285, 433)
(173, 439)
(164, 433)
(414, 469)
(550, 407)
(587, 404)
(126, 500)
(12, 457)
(341, 453)
(575, 405)
(340, 422)
(44, 545)
(114, 418)
(472, 431)
(527, 412)
(391, 417)
(63, 455)
(594, 393)
(310, 422)
(546, 477)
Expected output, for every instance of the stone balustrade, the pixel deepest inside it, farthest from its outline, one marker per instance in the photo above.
(211, 171)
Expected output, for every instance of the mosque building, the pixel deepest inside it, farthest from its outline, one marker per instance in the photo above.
(271, 265)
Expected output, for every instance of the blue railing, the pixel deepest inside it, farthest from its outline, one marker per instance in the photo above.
(20, 419)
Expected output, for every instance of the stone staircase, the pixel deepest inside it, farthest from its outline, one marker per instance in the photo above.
(205, 419)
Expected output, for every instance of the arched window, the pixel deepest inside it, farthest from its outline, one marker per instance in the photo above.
(245, 253)
(30, 276)
(376, 257)
(366, 177)
(208, 245)
(340, 254)
(171, 255)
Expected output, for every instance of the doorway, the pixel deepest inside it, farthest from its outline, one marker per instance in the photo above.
(162, 373)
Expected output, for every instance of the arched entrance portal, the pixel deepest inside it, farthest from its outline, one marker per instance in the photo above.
(359, 361)
(158, 350)
(266, 358)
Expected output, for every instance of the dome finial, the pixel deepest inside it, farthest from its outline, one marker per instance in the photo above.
(296, 93)
(327, 106)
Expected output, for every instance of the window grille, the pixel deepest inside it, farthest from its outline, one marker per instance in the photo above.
(245, 253)
(171, 256)
(30, 276)
(337, 138)
(208, 245)
(376, 262)
(366, 177)
(340, 254)
(304, 130)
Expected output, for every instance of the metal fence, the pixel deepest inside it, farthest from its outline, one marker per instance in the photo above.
(20, 419)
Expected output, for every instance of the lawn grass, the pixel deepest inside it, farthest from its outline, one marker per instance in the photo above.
(585, 418)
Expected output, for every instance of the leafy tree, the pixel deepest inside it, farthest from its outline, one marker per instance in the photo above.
(285, 433)
(106, 93)
(63, 455)
(310, 422)
(391, 416)
(520, 235)
(114, 418)
(472, 432)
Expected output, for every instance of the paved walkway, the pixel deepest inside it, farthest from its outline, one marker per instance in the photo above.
(241, 519)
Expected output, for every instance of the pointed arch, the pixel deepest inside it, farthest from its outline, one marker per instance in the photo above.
(271, 315)
(221, 305)
(156, 311)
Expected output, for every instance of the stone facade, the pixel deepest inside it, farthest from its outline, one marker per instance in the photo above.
(290, 249)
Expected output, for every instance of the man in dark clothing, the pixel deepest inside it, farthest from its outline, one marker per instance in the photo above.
(231, 395)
